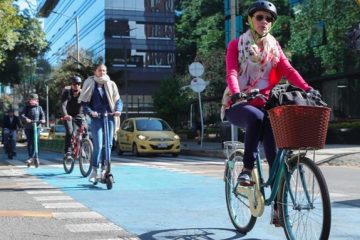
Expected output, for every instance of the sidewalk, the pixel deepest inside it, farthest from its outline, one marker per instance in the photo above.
(332, 154)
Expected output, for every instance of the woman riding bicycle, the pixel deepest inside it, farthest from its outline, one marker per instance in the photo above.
(255, 60)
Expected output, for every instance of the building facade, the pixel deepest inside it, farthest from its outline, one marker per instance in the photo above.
(136, 38)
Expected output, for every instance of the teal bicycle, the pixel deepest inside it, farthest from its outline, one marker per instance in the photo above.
(297, 185)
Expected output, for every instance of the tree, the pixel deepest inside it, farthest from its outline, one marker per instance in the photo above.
(171, 103)
(198, 30)
(30, 44)
(9, 22)
(327, 21)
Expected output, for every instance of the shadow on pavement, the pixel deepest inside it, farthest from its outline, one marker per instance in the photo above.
(194, 234)
(351, 203)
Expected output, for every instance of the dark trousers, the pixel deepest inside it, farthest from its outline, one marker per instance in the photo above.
(256, 123)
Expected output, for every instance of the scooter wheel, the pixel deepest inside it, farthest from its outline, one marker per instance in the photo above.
(36, 162)
(109, 182)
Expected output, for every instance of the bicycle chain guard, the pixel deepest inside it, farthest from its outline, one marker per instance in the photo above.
(256, 199)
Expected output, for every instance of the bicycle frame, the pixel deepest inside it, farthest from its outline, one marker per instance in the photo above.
(275, 175)
(76, 140)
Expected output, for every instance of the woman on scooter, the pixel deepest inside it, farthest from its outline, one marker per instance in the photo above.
(32, 112)
(98, 96)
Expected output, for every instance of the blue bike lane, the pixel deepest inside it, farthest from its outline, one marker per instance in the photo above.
(161, 204)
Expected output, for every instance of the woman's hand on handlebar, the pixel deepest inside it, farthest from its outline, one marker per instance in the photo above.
(117, 114)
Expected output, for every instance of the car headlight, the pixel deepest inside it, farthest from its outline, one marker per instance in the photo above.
(177, 137)
(141, 137)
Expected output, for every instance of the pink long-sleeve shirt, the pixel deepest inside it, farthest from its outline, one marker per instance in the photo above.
(282, 68)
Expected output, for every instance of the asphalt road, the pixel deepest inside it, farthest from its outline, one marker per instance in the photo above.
(152, 198)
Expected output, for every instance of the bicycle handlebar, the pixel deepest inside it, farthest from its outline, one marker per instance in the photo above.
(246, 97)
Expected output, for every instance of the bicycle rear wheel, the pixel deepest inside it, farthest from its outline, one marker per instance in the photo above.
(304, 201)
(238, 205)
(86, 150)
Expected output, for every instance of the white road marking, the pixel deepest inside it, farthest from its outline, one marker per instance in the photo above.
(44, 192)
(54, 198)
(338, 195)
(93, 227)
(63, 205)
(73, 215)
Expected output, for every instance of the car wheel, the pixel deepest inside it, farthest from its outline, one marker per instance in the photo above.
(135, 150)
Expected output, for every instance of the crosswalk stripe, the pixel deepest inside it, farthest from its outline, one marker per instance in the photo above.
(39, 186)
(63, 205)
(73, 215)
(53, 198)
(43, 192)
(93, 227)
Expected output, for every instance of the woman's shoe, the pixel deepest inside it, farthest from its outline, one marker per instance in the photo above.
(244, 178)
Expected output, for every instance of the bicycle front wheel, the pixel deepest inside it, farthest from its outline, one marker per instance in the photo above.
(68, 164)
(304, 199)
(238, 205)
(86, 150)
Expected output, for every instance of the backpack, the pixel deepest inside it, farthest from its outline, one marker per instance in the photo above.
(287, 94)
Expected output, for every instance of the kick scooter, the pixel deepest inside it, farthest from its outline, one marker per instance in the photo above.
(35, 159)
(106, 177)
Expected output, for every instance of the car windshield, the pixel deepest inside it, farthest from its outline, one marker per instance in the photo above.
(152, 125)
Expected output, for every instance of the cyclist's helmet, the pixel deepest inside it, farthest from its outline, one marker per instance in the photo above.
(262, 6)
(75, 79)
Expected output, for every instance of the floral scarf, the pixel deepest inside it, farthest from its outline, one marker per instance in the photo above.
(255, 62)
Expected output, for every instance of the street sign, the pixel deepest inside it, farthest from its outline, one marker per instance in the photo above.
(196, 69)
(198, 85)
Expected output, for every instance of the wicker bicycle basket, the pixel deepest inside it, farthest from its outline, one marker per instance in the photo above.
(299, 127)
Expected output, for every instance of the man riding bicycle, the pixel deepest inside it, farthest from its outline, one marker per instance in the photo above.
(71, 109)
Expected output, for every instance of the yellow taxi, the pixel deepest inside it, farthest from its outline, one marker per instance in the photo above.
(44, 133)
(143, 135)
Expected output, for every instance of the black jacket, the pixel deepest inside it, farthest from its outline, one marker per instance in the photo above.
(14, 125)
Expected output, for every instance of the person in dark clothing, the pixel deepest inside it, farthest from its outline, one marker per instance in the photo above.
(11, 124)
(71, 110)
(32, 112)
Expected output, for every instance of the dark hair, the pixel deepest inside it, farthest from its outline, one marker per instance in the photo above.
(263, 6)
(95, 66)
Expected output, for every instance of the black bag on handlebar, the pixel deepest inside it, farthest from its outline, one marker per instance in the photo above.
(286, 94)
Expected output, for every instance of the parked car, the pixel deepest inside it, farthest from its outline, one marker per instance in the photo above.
(147, 135)
(44, 133)
(57, 132)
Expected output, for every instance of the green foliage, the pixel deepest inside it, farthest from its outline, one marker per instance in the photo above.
(30, 44)
(9, 22)
(200, 29)
(333, 56)
(171, 103)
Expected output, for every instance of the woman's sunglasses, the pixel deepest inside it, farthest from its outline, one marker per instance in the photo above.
(261, 17)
